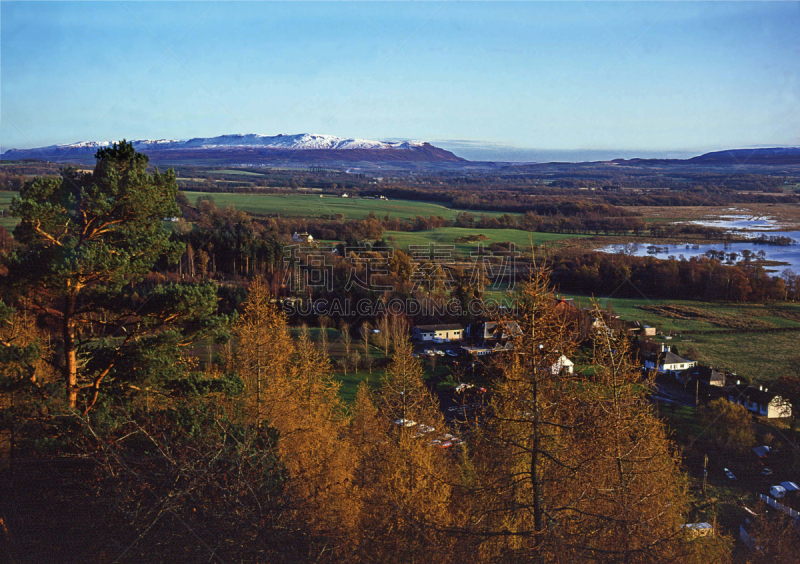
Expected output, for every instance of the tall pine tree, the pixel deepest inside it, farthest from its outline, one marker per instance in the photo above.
(87, 240)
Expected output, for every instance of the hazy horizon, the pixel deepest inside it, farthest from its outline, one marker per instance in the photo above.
(475, 151)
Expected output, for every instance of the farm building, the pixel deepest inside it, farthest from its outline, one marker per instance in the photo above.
(636, 328)
(451, 332)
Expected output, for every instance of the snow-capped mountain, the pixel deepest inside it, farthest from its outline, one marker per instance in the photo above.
(301, 142)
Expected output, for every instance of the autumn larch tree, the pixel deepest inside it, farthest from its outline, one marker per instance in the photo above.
(402, 478)
(572, 467)
(288, 386)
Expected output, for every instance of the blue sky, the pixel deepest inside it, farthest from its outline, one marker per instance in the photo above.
(639, 78)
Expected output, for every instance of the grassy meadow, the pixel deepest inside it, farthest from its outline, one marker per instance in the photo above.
(311, 205)
(5, 202)
(306, 205)
(352, 379)
(228, 172)
(787, 216)
(759, 357)
(448, 235)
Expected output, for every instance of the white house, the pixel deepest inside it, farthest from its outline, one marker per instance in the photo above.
(760, 400)
(667, 362)
(716, 379)
(563, 363)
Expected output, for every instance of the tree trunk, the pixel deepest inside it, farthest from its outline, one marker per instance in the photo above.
(70, 368)
(536, 482)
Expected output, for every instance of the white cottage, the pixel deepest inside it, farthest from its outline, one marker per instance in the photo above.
(562, 364)
(667, 362)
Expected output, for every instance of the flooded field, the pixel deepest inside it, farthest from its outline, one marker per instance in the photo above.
(753, 226)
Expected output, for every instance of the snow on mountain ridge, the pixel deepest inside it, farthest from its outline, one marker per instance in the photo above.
(302, 141)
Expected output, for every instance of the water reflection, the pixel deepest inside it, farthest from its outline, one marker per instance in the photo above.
(739, 223)
(727, 252)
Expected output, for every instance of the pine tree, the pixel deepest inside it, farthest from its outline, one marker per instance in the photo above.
(87, 239)
(23, 349)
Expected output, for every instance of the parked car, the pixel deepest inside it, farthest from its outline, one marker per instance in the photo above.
(451, 352)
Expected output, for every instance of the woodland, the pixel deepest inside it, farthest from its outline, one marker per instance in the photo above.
(131, 444)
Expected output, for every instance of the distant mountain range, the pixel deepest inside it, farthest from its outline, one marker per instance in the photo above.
(255, 149)
(776, 155)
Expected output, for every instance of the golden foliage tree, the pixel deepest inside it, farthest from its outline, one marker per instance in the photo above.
(776, 537)
(402, 478)
(288, 386)
(262, 351)
(573, 467)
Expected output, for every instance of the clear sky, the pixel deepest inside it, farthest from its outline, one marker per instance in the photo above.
(658, 77)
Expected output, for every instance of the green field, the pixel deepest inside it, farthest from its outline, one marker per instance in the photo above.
(303, 205)
(336, 351)
(5, 201)
(353, 379)
(236, 172)
(448, 235)
(759, 357)
(313, 206)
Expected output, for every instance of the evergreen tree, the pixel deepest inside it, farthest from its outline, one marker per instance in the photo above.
(87, 241)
